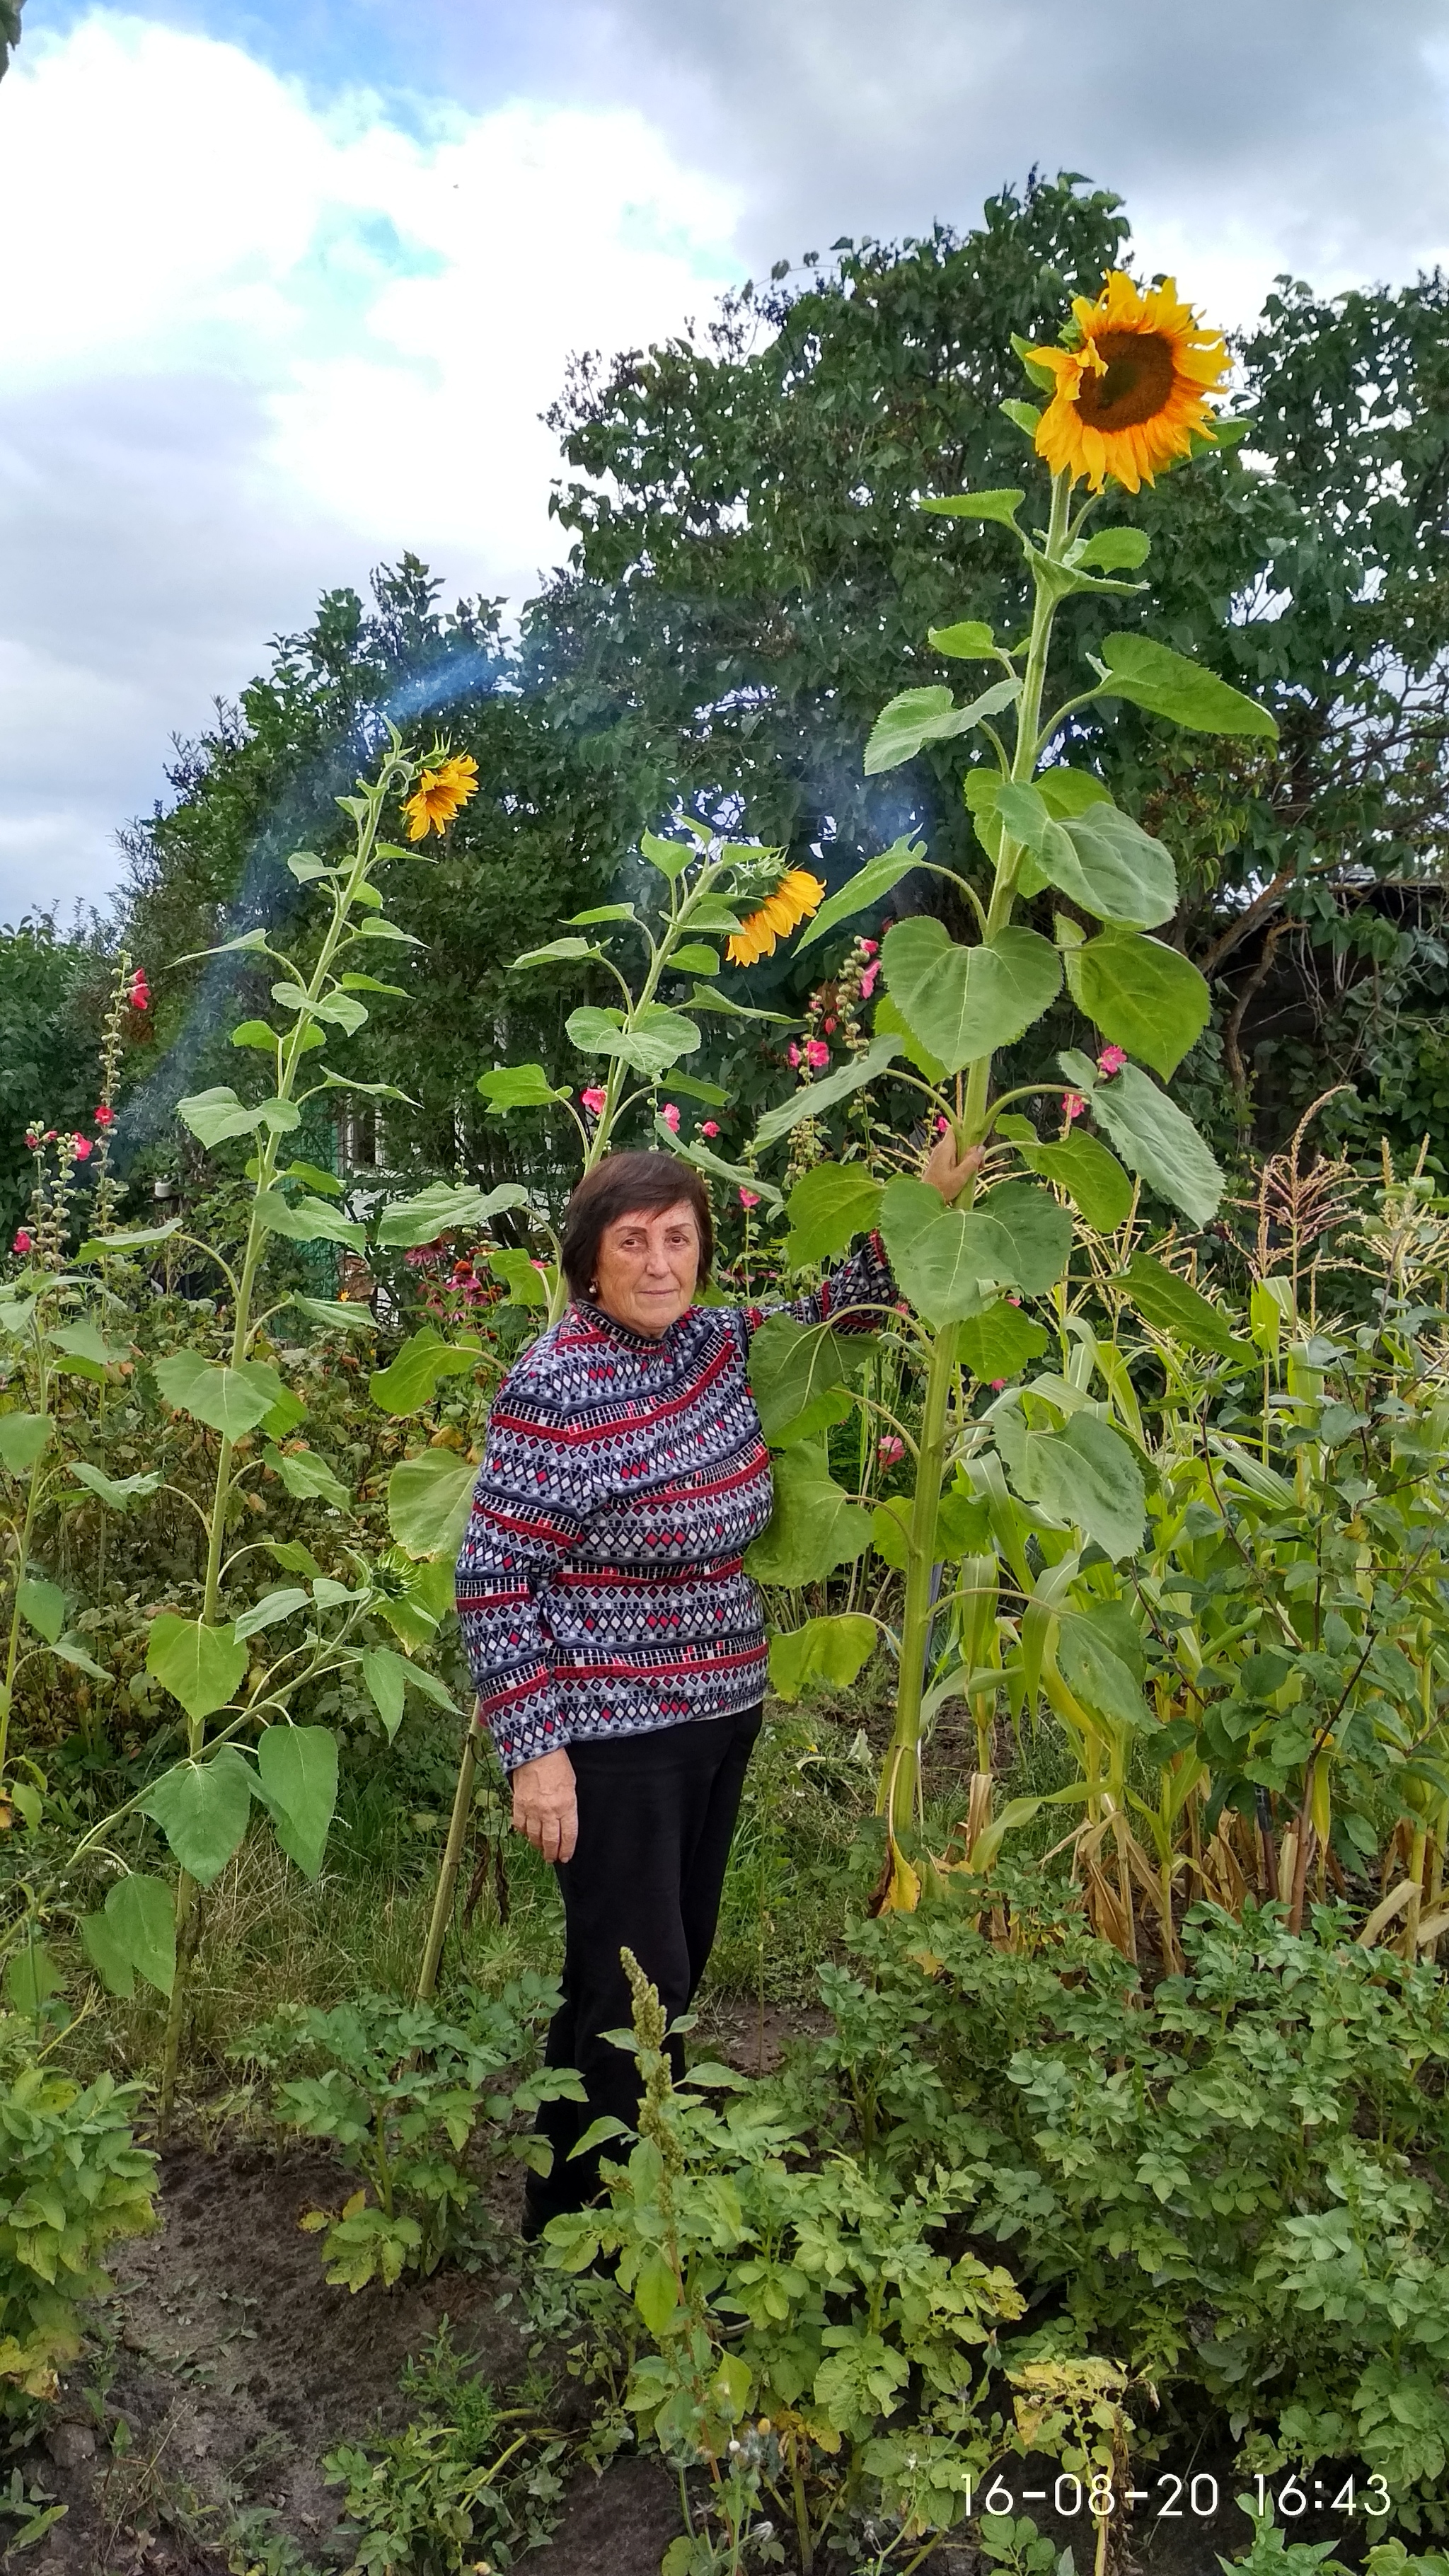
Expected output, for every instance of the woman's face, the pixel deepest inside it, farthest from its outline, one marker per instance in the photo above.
(647, 1269)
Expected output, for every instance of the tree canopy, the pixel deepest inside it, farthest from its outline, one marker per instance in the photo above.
(750, 580)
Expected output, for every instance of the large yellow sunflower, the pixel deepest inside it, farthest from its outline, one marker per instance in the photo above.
(1131, 396)
(797, 895)
(439, 794)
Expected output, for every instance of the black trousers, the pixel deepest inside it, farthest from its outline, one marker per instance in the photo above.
(656, 1818)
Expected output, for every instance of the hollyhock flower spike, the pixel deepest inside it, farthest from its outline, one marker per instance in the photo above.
(670, 1116)
(817, 1053)
(1110, 1061)
(139, 992)
(82, 1145)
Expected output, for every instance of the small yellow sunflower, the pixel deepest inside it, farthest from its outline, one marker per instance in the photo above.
(439, 795)
(1131, 395)
(795, 898)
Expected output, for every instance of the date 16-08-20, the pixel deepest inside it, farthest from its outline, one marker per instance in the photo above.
(1194, 2498)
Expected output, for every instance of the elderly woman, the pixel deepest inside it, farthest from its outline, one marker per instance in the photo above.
(615, 1639)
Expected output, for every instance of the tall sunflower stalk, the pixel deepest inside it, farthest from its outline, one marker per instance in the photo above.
(735, 891)
(1130, 386)
(234, 1398)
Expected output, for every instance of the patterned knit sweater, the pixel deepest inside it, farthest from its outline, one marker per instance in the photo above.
(600, 1584)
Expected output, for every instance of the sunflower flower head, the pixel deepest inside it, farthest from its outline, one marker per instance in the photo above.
(797, 895)
(1131, 393)
(440, 793)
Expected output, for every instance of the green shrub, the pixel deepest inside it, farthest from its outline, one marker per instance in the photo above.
(1236, 2185)
(467, 2483)
(817, 2349)
(72, 2183)
(401, 2092)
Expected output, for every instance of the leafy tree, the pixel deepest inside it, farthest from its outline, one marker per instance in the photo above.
(9, 32)
(213, 864)
(51, 997)
(751, 577)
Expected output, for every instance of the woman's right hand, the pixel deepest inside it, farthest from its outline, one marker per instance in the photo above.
(546, 1806)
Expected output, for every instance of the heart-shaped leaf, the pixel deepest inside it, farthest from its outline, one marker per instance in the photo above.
(919, 716)
(202, 1809)
(427, 1502)
(832, 1650)
(518, 1086)
(199, 1665)
(1082, 1166)
(1143, 996)
(965, 1003)
(297, 1766)
(828, 1207)
(410, 1381)
(814, 1526)
(1152, 1136)
(229, 1400)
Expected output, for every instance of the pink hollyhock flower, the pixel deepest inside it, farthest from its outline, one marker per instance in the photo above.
(943, 1126)
(997, 1384)
(670, 1116)
(890, 1450)
(51, 1136)
(709, 1128)
(867, 982)
(1111, 1060)
(24, 1241)
(105, 1117)
(749, 1198)
(830, 1028)
(82, 1146)
(817, 1052)
(792, 1053)
(593, 1100)
(138, 992)
(870, 946)
(1073, 1106)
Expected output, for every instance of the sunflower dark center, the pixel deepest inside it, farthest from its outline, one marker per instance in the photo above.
(1136, 385)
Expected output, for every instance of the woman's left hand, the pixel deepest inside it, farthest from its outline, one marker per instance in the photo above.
(949, 1172)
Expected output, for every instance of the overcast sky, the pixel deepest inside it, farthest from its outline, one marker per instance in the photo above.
(286, 287)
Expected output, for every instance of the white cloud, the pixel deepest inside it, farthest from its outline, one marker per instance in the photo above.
(248, 348)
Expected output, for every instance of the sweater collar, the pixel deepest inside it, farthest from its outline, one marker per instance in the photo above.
(624, 1336)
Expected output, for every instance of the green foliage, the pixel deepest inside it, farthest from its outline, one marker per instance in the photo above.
(468, 2482)
(812, 2303)
(1224, 2183)
(401, 2093)
(72, 2183)
(49, 1010)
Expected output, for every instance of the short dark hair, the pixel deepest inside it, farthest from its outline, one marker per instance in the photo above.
(630, 1185)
